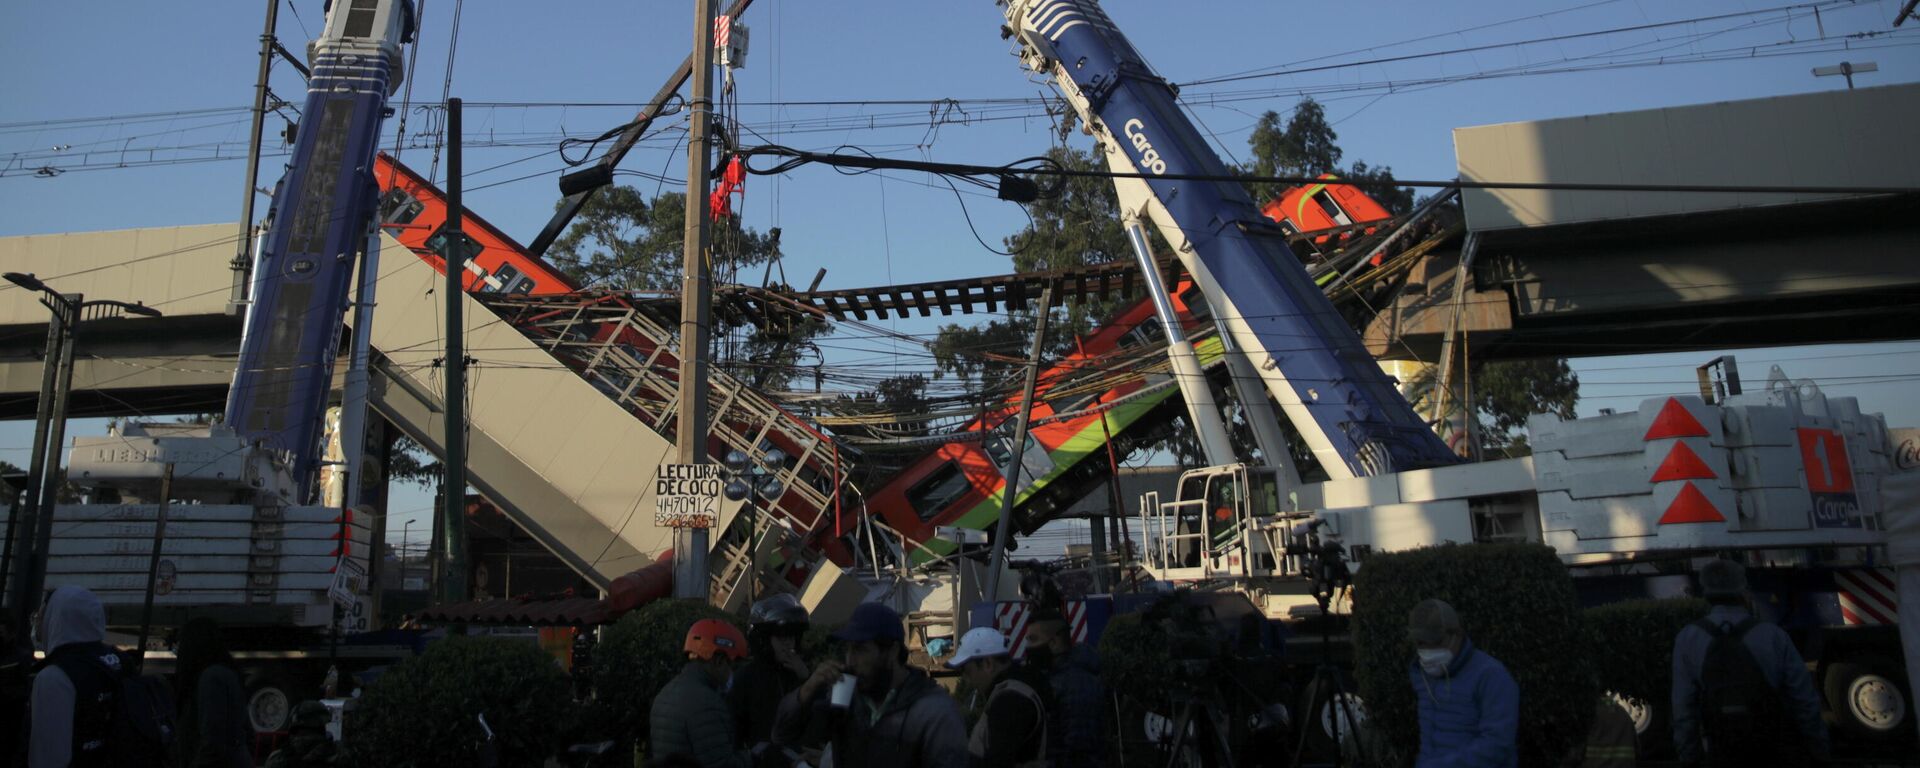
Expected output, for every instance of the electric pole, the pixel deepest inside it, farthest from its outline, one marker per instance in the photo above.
(696, 296)
(453, 520)
(243, 258)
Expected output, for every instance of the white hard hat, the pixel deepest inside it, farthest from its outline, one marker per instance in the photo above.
(979, 642)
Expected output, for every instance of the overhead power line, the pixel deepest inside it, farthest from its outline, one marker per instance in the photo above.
(1043, 167)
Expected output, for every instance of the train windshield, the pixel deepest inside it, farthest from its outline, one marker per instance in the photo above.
(939, 490)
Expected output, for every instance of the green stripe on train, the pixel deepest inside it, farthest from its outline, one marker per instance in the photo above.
(1086, 442)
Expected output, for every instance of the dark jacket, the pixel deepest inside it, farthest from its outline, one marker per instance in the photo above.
(1012, 731)
(917, 726)
(214, 730)
(1469, 716)
(59, 716)
(754, 698)
(1077, 723)
(1779, 661)
(305, 749)
(690, 718)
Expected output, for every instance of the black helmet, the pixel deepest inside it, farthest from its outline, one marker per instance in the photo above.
(778, 612)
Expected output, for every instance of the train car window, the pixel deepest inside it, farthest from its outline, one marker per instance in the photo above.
(398, 207)
(1069, 406)
(521, 287)
(506, 274)
(1196, 302)
(469, 249)
(1147, 332)
(933, 495)
(1331, 208)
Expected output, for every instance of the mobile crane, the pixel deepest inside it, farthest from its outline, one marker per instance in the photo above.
(247, 539)
(1787, 471)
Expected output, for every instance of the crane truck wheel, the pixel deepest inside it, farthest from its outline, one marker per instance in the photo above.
(1865, 699)
(270, 704)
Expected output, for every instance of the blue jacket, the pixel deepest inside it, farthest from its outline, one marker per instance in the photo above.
(1078, 721)
(1469, 717)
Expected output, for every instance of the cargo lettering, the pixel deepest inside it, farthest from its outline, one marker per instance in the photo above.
(1149, 157)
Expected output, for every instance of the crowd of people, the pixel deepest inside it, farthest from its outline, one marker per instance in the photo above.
(1741, 696)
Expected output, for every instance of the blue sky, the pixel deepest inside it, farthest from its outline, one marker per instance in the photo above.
(531, 71)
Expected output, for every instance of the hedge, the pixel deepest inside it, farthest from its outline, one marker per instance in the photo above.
(423, 712)
(1517, 603)
(1633, 644)
(1633, 655)
(634, 660)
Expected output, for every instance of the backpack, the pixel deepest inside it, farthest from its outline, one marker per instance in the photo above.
(1744, 717)
(120, 717)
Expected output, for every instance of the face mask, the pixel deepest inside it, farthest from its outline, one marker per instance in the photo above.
(1039, 655)
(1434, 661)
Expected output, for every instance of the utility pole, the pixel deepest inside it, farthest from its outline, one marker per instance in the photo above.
(52, 479)
(696, 300)
(1002, 527)
(242, 262)
(453, 521)
(23, 527)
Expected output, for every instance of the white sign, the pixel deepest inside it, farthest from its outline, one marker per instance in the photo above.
(686, 495)
(349, 581)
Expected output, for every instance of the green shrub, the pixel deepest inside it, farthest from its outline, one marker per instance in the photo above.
(1633, 644)
(635, 659)
(1134, 661)
(422, 712)
(1633, 655)
(1518, 605)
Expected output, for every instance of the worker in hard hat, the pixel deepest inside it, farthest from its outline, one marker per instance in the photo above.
(690, 719)
(1012, 729)
(775, 669)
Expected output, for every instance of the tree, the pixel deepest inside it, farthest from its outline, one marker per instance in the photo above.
(1306, 145)
(1505, 393)
(623, 242)
(1078, 225)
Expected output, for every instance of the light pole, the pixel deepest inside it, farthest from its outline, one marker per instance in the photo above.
(758, 479)
(28, 548)
(405, 529)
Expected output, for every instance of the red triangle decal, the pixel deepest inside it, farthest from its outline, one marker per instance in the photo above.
(1674, 421)
(1691, 506)
(1682, 464)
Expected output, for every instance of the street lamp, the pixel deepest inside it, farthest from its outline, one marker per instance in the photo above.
(756, 479)
(29, 549)
(405, 539)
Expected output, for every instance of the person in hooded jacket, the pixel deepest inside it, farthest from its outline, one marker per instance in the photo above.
(71, 703)
(1469, 706)
(211, 700)
(895, 716)
(773, 669)
(1077, 722)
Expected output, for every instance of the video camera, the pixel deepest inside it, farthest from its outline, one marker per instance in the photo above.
(1322, 556)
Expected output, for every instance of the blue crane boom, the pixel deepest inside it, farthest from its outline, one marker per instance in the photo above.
(1312, 363)
(322, 217)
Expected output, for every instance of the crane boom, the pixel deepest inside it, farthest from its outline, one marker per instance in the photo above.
(1311, 362)
(322, 216)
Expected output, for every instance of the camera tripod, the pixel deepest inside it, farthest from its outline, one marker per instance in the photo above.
(1197, 711)
(1328, 570)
